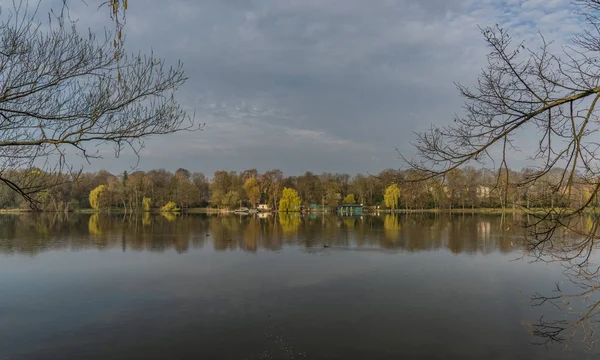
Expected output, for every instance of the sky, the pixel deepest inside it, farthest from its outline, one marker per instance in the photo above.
(318, 85)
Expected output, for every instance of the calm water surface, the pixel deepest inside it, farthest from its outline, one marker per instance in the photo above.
(198, 287)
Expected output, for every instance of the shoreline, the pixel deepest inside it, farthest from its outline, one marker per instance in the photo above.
(497, 211)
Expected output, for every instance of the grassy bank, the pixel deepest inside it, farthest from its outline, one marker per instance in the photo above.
(14, 211)
(489, 211)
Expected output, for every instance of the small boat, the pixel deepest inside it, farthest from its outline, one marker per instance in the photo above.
(243, 210)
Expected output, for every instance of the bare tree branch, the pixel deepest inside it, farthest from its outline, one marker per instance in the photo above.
(60, 90)
(555, 94)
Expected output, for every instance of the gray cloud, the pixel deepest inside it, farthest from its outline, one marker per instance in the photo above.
(317, 85)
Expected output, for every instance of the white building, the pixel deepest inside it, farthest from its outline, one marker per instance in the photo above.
(264, 207)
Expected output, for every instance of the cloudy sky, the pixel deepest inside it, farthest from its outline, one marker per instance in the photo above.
(320, 85)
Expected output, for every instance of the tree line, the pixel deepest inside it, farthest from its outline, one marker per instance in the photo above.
(462, 188)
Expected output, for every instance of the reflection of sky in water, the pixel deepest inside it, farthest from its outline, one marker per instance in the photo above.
(354, 302)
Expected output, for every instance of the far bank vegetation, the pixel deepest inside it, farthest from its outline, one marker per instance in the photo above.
(462, 189)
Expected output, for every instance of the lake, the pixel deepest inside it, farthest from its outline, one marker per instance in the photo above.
(277, 287)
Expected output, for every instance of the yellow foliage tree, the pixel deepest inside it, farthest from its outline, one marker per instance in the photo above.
(252, 191)
(170, 207)
(349, 199)
(290, 201)
(146, 204)
(96, 197)
(391, 196)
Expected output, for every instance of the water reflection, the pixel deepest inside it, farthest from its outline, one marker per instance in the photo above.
(392, 227)
(170, 216)
(32, 234)
(419, 299)
(290, 223)
(570, 244)
(93, 225)
(147, 219)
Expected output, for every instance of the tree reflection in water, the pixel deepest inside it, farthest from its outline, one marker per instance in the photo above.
(147, 219)
(170, 216)
(32, 234)
(93, 225)
(568, 242)
(392, 227)
(290, 223)
(576, 296)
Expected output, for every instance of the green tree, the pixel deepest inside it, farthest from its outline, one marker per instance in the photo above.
(252, 189)
(271, 183)
(310, 188)
(391, 196)
(202, 187)
(97, 197)
(217, 198)
(290, 201)
(182, 189)
(349, 199)
(231, 200)
(364, 188)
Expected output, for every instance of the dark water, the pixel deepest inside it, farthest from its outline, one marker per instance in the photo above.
(155, 287)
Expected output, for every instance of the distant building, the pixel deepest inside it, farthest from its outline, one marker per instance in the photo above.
(483, 191)
(264, 207)
(350, 209)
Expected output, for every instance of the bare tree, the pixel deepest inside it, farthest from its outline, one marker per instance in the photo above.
(61, 90)
(553, 92)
